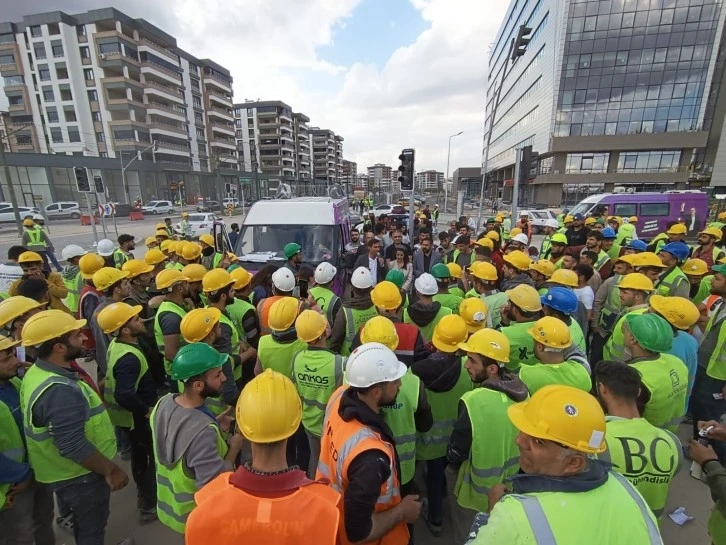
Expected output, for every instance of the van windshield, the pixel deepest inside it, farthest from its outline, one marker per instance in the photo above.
(582, 207)
(262, 243)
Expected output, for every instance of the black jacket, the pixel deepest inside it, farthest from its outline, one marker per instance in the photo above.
(381, 270)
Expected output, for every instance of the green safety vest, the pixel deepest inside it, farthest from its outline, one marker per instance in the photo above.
(546, 245)
(35, 238)
(577, 336)
(671, 282)
(116, 350)
(212, 261)
(175, 488)
(645, 455)
(167, 306)
(561, 220)
(49, 465)
(521, 345)
(11, 440)
(316, 374)
(568, 373)
(472, 256)
(278, 356)
(449, 301)
(506, 227)
(471, 293)
(704, 290)
(119, 257)
(432, 444)
(666, 377)
(225, 319)
(626, 233)
(614, 250)
(399, 417)
(559, 263)
(237, 311)
(326, 300)
(427, 331)
(614, 348)
(716, 367)
(354, 320)
(602, 259)
(717, 526)
(458, 292)
(174, 265)
(494, 303)
(74, 286)
(612, 306)
(494, 457)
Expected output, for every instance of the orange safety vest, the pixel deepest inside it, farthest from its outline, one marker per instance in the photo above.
(227, 515)
(340, 444)
(263, 311)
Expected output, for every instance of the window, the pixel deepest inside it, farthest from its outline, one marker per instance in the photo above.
(7, 59)
(58, 50)
(52, 115)
(85, 52)
(92, 96)
(35, 31)
(103, 154)
(73, 134)
(81, 30)
(70, 115)
(100, 137)
(624, 210)
(114, 47)
(66, 94)
(15, 100)
(48, 94)
(43, 72)
(587, 163)
(13, 80)
(655, 209)
(88, 74)
(96, 116)
(197, 102)
(39, 51)
(56, 135)
(53, 29)
(61, 72)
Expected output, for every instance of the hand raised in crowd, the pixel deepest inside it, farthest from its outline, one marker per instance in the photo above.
(717, 431)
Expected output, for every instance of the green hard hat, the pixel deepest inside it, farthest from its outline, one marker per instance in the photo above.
(558, 238)
(396, 276)
(195, 359)
(491, 220)
(440, 271)
(291, 249)
(651, 331)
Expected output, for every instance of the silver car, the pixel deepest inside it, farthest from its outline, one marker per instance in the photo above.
(63, 209)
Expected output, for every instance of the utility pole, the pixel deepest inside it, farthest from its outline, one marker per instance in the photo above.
(6, 173)
(446, 180)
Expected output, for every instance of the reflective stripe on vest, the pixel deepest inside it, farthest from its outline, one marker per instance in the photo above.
(278, 356)
(602, 258)
(35, 236)
(354, 320)
(237, 311)
(11, 439)
(167, 306)
(316, 374)
(614, 348)
(116, 350)
(74, 286)
(612, 306)
(400, 418)
(326, 300)
(120, 257)
(666, 377)
(672, 279)
(716, 367)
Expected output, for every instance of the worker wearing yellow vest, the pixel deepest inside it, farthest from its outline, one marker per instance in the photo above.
(317, 373)
(714, 473)
(268, 413)
(425, 313)
(211, 259)
(354, 313)
(485, 279)
(443, 278)
(645, 455)
(446, 380)
(328, 302)
(672, 280)
(71, 275)
(664, 377)
(357, 453)
(189, 445)
(173, 285)
(699, 277)
(195, 296)
(523, 309)
(26, 506)
(481, 451)
(61, 411)
(36, 240)
(707, 249)
(562, 303)
(129, 394)
(634, 290)
(170, 247)
(123, 253)
(563, 496)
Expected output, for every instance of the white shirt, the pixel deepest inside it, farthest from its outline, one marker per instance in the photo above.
(373, 267)
(586, 296)
(9, 273)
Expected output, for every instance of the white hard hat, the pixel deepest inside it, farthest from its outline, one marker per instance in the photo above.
(38, 217)
(552, 223)
(521, 237)
(105, 247)
(373, 363)
(283, 279)
(426, 285)
(324, 273)
(362, 278)
(71, 251)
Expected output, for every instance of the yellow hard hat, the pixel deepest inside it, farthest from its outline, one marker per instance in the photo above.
(30, 257)
(677, 229)
(543, 266)
(386, 295)
(207, 239)
(136, 267)
(485, 242)
(194, 272)
(714, 232)
(154, 257)
(563, 414)
(215, 280)
(489, 343)
(525, 297)
(633, 219)
(552, 332)
(636, 281)
(721, 216)
(107, 277)
(627, 258)
(7, 342)
(494, 235)
(166, 245)
(310, 326)
(13, 308)
(680, 312)
(269, 408)
(590, 221)
(380, 330)
(89, 264)
(518, 259)
(499, 218)
(565, 277)
(28, 223)
(151, 242)
(647, 259)
(190, 250)
(483, 271)
(455, 270)
(174, 246)
(168, 277)
(185, 214)
(514, 232)
(474, 312)
(449, 333)
(198, 323)
(47, 325)
(162, 233)
(241, 278)
(282, 313)
(695, 267)
(116, 315)
(568, 218)
(160, 225)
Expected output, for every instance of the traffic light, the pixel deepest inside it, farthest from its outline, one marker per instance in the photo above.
(82, 182)
(98, 183)
(529, 165)
(519, 46)
(406, 169)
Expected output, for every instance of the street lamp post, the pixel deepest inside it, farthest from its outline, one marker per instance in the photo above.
(448, 159)
(152, 147)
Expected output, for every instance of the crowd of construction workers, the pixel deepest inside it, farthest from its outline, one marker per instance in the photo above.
(511, 395)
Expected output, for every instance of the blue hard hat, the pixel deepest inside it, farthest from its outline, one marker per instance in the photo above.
(608, 233)
(679, 250)
(565, 210)
(638, 245)
(578, 217)
(560, 299)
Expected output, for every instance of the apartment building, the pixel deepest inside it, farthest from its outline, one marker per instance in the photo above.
(104, 84)
(349, 174)
(327, 148)
(380, 177)
(610, 93)
(428, 180)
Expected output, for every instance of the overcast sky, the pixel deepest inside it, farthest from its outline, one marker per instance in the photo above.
(384, 74)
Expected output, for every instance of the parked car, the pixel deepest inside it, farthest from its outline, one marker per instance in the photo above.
(209, 206)
(158, 207)
(230, 200)
(7, 215)
(63, 209)
(389, 209)
(538, 218)
(200, 223)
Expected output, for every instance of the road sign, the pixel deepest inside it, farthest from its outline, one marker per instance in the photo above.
(230, 208)
(245, 180)
(107, 209)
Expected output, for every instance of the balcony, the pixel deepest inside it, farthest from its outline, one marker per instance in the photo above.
(8, 67)
(106, 60)
(219, 97)
(120, 82)
(157, 108)
(223, 142)
(176, 149)
(159, 48)
(16, 107)
(213, 79)
(165, 91)
(167, 127)
(213, 111)
(225, 128)
(123, 103)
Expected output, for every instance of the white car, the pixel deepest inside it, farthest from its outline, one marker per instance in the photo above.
(538, 218)
(158, 207)
(7, 215)
(229, 200)
(64, 209)
(200, 223)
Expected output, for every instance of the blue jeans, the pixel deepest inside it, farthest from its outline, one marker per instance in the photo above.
(436, 488)
(88, 498)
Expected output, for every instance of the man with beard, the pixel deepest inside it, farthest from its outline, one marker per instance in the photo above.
(556, 251)
(577, 233)
(211, 259)
(32, 265)
(123, 253)
(72, 444)
(167, 323)
(189, 445)
(293, 255)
